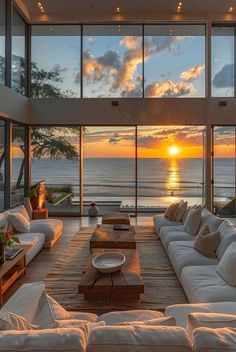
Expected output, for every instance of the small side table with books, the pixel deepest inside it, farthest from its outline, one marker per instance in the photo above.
(12, 269)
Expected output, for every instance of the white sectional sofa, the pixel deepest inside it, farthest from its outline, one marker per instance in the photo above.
(41, 234)
(183, 328)
(196, 272)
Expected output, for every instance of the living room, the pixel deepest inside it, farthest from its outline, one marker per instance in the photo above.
(117, 175)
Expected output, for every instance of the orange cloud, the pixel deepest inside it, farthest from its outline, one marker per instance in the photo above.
(168, 89)
(192, 74)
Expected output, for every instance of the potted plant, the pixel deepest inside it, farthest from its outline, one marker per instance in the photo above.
(93, 209)
(7, 239)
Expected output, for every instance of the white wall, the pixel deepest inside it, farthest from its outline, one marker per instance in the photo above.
(13, 106)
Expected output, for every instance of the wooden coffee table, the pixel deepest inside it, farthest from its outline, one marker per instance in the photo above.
(105, 237)
(122, 285)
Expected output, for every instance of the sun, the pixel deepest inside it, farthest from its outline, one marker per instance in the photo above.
(173, 151)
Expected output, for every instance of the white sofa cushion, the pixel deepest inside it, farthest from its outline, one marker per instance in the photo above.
(70, 340)
(227, 265)
(19, 222)
(25, 301)
(193, 221)
(170, 234)
(20, 209)
(203, 284)
(139, 339)
(50, 227)
(227, 236)
(183, 254)
(160, 220)
(11, 321)
(165, 321)
(218, 340)
(36, 240)
(181, 311)
(210, 320)
(210, 219)
(115, 318)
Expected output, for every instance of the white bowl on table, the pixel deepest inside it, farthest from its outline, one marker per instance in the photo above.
(108, 262)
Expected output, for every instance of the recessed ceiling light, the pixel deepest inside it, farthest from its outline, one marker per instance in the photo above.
(231, 9)
(118, 9)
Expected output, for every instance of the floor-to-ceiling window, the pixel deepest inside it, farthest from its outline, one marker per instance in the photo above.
(109, 168)
(223, 56)
(224, 142)
(2, 159)
(170, 166)
(112, 61)
(56, 163)
(2, 42)
(18, 164)
(55, 61)
(174, 61)
(18, 53)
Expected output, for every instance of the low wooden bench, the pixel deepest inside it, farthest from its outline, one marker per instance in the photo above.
(116, 218)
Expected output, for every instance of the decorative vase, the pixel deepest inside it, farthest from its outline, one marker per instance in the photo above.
(93, 211)
(2, 254)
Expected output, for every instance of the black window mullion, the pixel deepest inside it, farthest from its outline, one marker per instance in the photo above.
(8, 43)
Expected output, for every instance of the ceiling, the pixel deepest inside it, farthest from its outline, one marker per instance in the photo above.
(86, 10)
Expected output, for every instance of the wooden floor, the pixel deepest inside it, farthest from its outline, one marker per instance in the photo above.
(39, 267)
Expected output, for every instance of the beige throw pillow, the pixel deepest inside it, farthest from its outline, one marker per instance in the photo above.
(206, 242)
(181, 210)
(171, 211)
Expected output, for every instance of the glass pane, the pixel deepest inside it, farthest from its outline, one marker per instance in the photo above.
(174, 63)
(18, 164)
(223, 75)
(2, 157)
(224, 170)
(170, 166)
(112, 61)
(18, 54)
(2, 42)
(55, 162)
(55, 67)
(109, 169)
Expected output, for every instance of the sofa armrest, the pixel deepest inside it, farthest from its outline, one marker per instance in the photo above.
(71, 340)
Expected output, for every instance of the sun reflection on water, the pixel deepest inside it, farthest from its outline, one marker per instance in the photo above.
(173, 179)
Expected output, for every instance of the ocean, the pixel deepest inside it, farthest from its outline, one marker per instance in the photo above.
(115, 177)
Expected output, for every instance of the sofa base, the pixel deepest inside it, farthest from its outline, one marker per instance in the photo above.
(50, 244)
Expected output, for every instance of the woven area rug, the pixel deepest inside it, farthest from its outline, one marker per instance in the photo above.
(161, 285)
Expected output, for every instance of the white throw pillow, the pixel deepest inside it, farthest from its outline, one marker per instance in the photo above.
(50, 311)
(171, 211)
(181, 210)
(165, 321)
(139, 338)
(20, 209)
(227, 265)
(210, 320)
(19, 222)
(11, 321)
(28, 207)
(193, 221)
